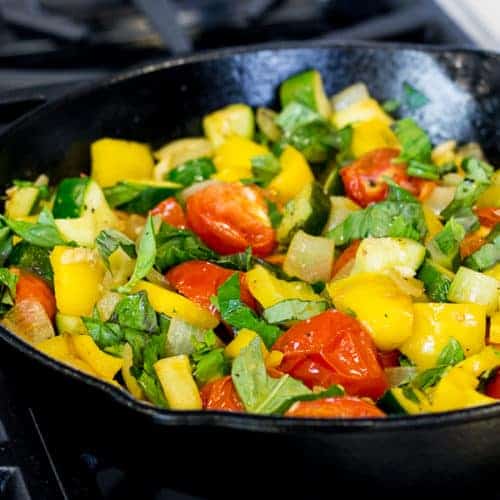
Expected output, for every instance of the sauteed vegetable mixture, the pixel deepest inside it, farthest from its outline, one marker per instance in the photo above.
(320, 260)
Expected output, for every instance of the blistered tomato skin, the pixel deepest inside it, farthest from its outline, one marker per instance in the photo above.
(333, 348)
(199, 280)
(230, 217)
(170, 212)
(343, 407)
(221, 394)
(32, 287)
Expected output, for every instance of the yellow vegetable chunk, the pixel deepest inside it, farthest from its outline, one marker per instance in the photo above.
(235, 119)
(80, 365)
(366, 109)
(240, 341)
(274, 359)
(433, 223)
(114, 160)
(295, 174)
(378, 303)
(177, 383)
(78, 274)
(57, 347)
(494, 272)
(130, 381)
(175, 305)
(444, 153)
(457, 389)
(105, 365)
(495, 328)
(269, 290)
(435, 323)
(370, 135)
(233, 159)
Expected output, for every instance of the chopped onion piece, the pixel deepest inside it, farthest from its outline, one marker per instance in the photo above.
(309, 258)
(181, 337)
(349, 96)
(440, 198)
(28, 320)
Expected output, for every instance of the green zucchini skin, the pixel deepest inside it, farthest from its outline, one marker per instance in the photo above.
(32, 258)
(69, 201)
(308, 211)
(436, 279)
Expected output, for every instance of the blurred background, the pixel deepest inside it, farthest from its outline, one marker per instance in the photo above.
(47, 42)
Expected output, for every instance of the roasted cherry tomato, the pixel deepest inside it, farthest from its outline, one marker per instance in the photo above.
(32, 287)
(230, 217)
(493, 386)
(343, 407)
(470, 244)
(363, 179)
(488, 216)
(199, 280)
(389, 359)
(170, 212)
(333, 348)
(346, 257)
(221, 394)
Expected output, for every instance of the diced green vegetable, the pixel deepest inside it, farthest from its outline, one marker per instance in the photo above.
(69, 200)
(445, 246)
(266, 121)
(306, 88)
(415, 142)
(488, 255)
(398, 401)
(236, 119)
(264, 169)
(21, 201)
(32, 258)
(472, 287)
(66, 323)
(192, 171)
(423, 170)
(437, 280)
(308, 211)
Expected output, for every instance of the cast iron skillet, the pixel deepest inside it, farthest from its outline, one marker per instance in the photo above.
(157, 103)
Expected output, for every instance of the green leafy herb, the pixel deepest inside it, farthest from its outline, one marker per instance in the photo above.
(413, 98)
(423, 170)
(242, 261)
(444, 247)
(295, 115)
(6, 245)
(293, 310)
(104, 334)
(405, 361)
(476, 181)
(146, 254)
(238, 315)
(208, 359)
(391, 105)
(275, 215)
(415, 142)
(152, 388)
(409, 393)
(135, 311)
(259, 392)
(43, 233)
(9, 280)
(265, 168)
(343, 145)
(192, 171)
(109, 240)
(488, 255)
(388, 218)
(314, 140)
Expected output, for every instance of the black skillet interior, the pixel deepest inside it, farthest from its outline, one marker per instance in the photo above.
(160, 103)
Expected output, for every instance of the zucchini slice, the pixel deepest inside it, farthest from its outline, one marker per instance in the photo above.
(266, 121)
(437, 280)
(236, 119)
(306, 88)
(396, 401)
(471, 287)
(21, 201)
(32, 258)
(66, 323)
(69, 201)
(308, 211)
(377, 255)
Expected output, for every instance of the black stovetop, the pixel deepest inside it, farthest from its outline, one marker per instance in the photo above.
(49, 46)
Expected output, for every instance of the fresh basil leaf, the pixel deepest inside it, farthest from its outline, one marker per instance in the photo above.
(451, 354)
(413, 98)
(293, 310)
(211, 366)
(429, 378)
(387, 218)
(9, 280)
(6, 245)
(192, 171)
(397, 193)
(104, 334)
(409, 393)
(43, 233)
(275, 215)
(444, 247)
(476, 181)
(259, 392)
(405, 361)
(242, 261)
(343, 145)
(423, 170)
(152, 389)
(109, 240)
(176, 246)
(414, 141)
(146, 255)
(315, 140)
(391, 105)
(154, 350)
(238, 315)
(135, 311)
(121, 194)
(32, 258)
(332, 392)
(295, 115)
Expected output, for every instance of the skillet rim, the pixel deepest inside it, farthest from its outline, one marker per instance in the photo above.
(242, 421)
